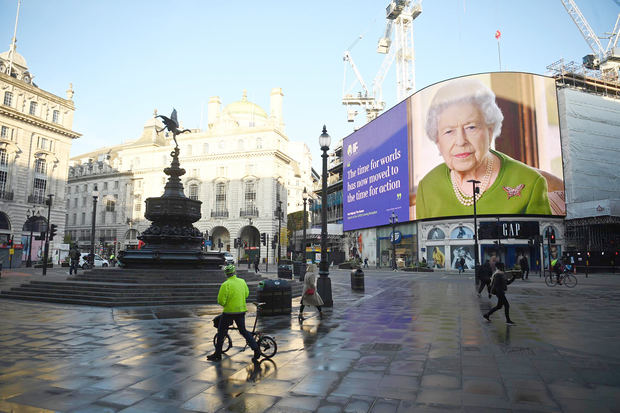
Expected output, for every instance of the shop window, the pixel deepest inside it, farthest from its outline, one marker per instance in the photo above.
(462, 232)
(436, 233)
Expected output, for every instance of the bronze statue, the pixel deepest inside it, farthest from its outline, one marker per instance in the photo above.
(172, 124)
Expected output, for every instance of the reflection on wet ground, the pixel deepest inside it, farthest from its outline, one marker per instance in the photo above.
(410, 342)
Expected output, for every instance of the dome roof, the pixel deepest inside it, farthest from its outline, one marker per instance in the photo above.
(17, 59)
(244, 107)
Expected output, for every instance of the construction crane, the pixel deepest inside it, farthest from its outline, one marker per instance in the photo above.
(399, 25)
(607, 60)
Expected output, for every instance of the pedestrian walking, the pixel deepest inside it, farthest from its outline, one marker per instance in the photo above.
(499, 285)
(74, 256)
(232, 295)
(366, 262)
(525, 267)
(256, 264)
(311, 295)
(485, 274)
(461, 265)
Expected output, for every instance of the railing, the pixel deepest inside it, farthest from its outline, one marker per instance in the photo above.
(6, 195)
(37, 199)
(219, 214)
(248, 212)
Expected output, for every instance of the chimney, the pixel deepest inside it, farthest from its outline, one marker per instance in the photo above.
(276, 106)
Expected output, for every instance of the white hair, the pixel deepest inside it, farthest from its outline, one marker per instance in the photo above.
(473, 91)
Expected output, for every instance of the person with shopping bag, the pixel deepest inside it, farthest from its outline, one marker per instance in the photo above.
(311, 295)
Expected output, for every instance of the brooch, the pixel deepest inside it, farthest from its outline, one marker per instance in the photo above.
(516, 191)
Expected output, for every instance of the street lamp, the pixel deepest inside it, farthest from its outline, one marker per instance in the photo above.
(394, 221)
(92, 228)
(31, 221)
(475, 192)
(324, 283)
(279, 212)
(304, 196)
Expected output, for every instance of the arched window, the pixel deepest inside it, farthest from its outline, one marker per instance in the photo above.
(193, 191)
(462, 232)
(436, 233)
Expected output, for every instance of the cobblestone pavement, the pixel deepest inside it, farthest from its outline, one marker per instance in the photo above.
(411, 342)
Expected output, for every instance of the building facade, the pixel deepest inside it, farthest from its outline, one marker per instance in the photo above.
(242, 167)
(35, 140)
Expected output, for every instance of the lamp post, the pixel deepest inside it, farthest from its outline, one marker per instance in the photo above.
(393, 221)
(92, 228)
(31, 220)
(304, 196)
(476, 190)
(46, 250)
(279, 212)
(324, 283)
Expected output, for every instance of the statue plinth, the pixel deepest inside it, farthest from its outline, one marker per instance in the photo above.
(172, 241)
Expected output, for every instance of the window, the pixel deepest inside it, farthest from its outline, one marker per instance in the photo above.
(8, 98)
(193, 191)
(4, 170)
(75, 203)
(4, 132)
(74, 219)
(84, 202)
(39, 190)
(33, 108)
(83, 218)
(250, 195)
(105, 186)
(39, 166)
(115, 184)
(109, 205)
(44, 143)
(55, 116)
(205, 148)
(138, 204)
(220, 197)
(259, 143)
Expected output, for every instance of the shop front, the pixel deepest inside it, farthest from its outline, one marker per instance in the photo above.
(405, 245)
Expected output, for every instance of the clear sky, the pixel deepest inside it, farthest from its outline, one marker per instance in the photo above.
(128, 57)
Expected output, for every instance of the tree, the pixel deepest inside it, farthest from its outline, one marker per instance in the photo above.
(67, 239)
(294, 222)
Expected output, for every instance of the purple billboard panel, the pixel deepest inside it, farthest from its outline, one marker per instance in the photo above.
(375, 175)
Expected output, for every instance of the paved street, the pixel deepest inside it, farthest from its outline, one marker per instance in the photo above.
(410, 342)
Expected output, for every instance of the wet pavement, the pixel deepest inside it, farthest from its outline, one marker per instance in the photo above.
(410, 342)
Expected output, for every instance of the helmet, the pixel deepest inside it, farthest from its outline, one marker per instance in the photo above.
(229, 269)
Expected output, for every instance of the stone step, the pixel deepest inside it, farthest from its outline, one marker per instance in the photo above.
(126, 294)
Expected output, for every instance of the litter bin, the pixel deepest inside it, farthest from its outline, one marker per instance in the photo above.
(299, 270)
(357, 279)
(285, 269)
(277, 296)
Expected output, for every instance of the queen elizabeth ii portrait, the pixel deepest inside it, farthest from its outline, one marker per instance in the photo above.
(463, 120)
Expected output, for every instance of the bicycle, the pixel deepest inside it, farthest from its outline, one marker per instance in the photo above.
(565, 278)
(266, 344)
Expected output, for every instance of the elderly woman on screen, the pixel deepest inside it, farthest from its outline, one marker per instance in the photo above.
(463, 120)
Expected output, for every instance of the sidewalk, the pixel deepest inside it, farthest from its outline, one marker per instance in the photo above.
(410, 342)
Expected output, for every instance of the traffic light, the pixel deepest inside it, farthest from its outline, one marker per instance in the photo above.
(53, 229)
(236, 243)
(552, 237)
(263, 238)
(10, 242)
(273, 243)
(275, 238)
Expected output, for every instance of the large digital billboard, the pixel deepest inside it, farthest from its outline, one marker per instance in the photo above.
(499, 129)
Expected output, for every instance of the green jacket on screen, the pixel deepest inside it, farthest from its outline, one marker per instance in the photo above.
(232, 295)
(435, 196)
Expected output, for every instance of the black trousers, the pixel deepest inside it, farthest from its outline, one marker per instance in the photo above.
(501, 302)
(484, 284)
(227, 320)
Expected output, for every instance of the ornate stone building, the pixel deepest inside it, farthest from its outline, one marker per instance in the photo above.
(35, 141)
(241, 167)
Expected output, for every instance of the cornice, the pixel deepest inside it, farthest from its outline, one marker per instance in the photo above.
(32, 120)
(37, 91)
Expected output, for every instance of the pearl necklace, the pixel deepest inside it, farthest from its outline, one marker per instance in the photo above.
(457, 182)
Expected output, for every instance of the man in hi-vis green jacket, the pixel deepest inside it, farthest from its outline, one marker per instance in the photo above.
(231, 296)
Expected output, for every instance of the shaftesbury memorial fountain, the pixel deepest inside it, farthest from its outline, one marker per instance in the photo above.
(172, 242)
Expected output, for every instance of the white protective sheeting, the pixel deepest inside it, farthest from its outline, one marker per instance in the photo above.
(590, 131)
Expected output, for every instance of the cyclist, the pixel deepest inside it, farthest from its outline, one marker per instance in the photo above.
(232, 295)
(558, 269)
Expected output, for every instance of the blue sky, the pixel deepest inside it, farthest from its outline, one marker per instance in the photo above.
(126, 58)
